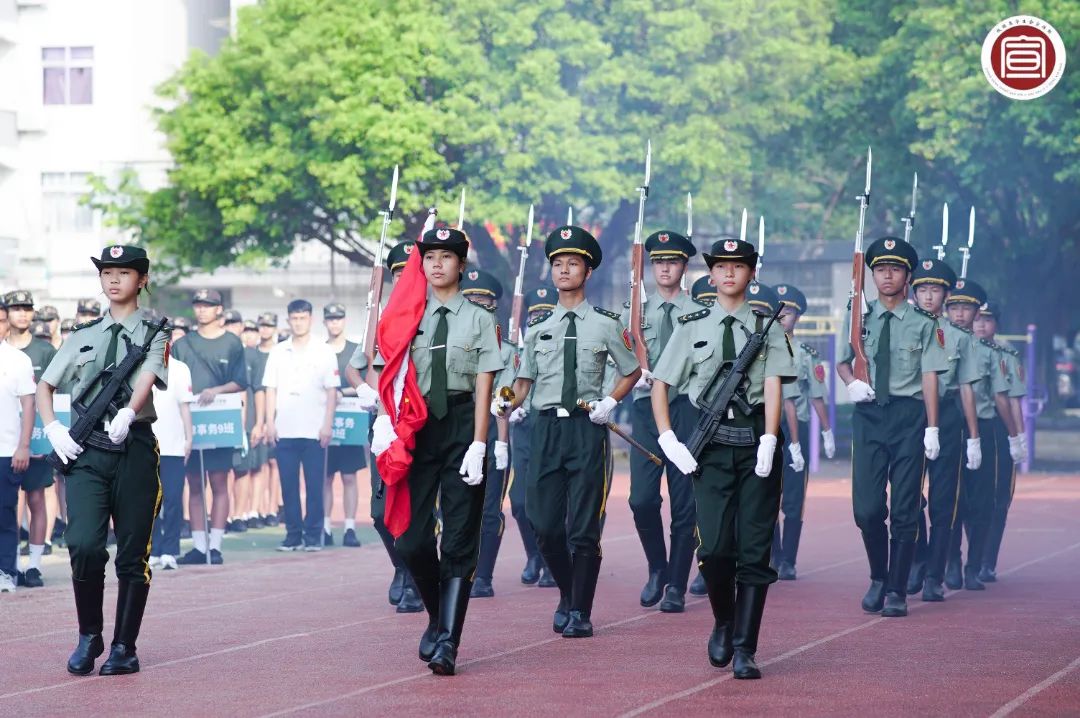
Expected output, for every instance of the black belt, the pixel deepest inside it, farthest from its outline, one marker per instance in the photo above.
(454, 399)
(137, 427)
(555, 412)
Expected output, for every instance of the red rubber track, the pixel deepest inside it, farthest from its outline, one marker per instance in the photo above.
(313, 635)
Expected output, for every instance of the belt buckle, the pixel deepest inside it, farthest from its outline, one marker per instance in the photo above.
(562, 413)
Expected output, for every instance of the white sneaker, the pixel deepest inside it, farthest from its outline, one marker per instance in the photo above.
(168, 563)
(7, 583)
(155, 562)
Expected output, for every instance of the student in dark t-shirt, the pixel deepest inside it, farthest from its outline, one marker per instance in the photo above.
(250, 464)
(216, 360)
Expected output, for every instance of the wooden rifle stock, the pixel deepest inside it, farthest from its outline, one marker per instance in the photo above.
(860, 365)
(637, 263)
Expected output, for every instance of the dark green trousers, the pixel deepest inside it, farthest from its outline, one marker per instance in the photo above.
(944, 484)
(737, 509)
(568, 483)
(124, 486)
(887, 451)
(440, 447)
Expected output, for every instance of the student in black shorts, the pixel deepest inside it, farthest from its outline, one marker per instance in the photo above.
(216, 360)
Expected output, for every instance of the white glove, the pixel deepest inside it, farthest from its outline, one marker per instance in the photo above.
(828, 439)
(1023, 443)
(472, 466)
(498, 408)
(860, 391)
(974, 454)
(502, 455)
(383, 434)
(518, 415)
(677, 453)
(798, 463)
(600, 411)
(765, 451)
(645, 381)
(931, 445)
(1016, 449)
(62, 443)
(120, 425)
(367, 397)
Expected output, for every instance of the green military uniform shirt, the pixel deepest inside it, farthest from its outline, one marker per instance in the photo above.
(993, 377)
(809, 382)
(960, 355)
(82, 357)
(695, 352)
(600, 334)
(472, 344)
(915, 347)
(652, 318)
(1015, 367)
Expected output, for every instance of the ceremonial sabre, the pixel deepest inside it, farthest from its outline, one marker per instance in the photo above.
(582, 404)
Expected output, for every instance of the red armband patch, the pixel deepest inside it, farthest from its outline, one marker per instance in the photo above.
(626, 339)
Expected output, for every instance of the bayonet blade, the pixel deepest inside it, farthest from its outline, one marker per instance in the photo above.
(869, 162)
(742, 229)
(393, 190)
(945, 225)
(570, 215)
(461, 211)
(971, 227)
(528, 232)
(648, 164)
(914, 193)
(429, 222)
(689, 216)
(761, 236)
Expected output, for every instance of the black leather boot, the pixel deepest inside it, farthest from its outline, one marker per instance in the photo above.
(877, 553)
(130, 605)
(902, 553)
(531, 573)
(485, 565)
(749, 607)
(976, 546)
(936, 551)
(954, 567)
(917, 574)
(682, 556)
(411, 600)
(720, 584)
(88, 598)
(561, 569)
(652, 540)
(586, 573)
(776, 551)
(453, 602)
(697, 587)
(397, 585)
(428, 591)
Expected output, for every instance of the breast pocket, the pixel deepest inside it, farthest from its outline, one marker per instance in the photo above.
(462, 356)
(909, 357)
(548, 357)
(591, 357)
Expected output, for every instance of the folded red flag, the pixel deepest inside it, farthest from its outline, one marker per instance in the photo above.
(399, 391)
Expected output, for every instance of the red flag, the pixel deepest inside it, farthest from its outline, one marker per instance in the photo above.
(404, 403)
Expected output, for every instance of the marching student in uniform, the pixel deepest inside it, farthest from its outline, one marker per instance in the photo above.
(739, 485)
(301, 381)
(120, 484)
(566, 352)
(808, 390)
(455, 352)
(484, 290)
(669, 253)
(895, 425)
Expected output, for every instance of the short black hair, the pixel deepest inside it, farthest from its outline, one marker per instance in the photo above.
(298, 305)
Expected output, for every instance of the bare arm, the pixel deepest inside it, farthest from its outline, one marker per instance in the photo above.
(189, 433)
(773, 401)
(843, 371)
(792, 418)
(1017, 414)
(207, 395)
(625, 385)
(503, 426)
(354, 377)
(481, 411)
(271, 414)
(44, 398)
(930, 397)
(259, 429)
(521, 392)
(20, 460)
(658, 395)
(1001, 403)
(822, 412)
(967, 401)
(326, 431)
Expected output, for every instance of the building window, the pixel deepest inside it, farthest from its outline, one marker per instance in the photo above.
(61, 193)
(68, 75)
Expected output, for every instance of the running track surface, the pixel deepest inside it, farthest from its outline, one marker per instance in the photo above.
(313, 635)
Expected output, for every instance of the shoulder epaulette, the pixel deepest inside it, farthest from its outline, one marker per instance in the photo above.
(988, 343)
(90, 323)
(606, 313)
(925, 313)
(489, 310)
(809, 349)
(1011, 351)
(957, 326)
(694, 316)
(539, 318)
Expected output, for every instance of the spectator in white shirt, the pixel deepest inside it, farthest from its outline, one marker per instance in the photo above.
(301, 381)
(16, 425)
(173, 432)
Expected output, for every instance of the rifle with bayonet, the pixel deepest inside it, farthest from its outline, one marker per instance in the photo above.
(725, 389)
(940, 248)
(637, 270)
(909, 221)
(518, 308)
(860, 364)
(113, 396)
(374, 295)
(966, 251)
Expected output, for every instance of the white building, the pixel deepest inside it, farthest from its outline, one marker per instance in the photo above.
(77, 86)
